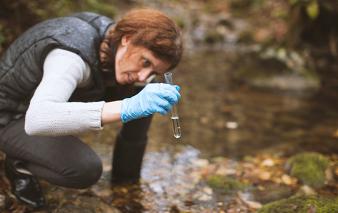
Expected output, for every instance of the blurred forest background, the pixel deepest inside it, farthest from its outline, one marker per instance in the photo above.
(259, 110)
(307, 26)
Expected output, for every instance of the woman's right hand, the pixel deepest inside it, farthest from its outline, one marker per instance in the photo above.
(155, 97)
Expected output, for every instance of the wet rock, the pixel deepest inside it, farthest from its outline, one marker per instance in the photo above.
(86, 204)
(213, 37)
(309, 168)
(205, 194)
(307, 190)
(302, 205)
(271, 192)
(246, 199)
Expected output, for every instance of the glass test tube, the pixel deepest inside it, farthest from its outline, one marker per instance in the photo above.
(168, 76)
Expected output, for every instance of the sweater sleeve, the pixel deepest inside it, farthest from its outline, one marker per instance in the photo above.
(49, 112)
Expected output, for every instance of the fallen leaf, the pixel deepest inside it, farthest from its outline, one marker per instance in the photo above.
(335, 134)
(268, 163)
(329, 175)
(264, 175)
(286, 179)
(253, 204)
(277, 180)
(204, 120)
(207, 190)
(225, 171)
(195, 177)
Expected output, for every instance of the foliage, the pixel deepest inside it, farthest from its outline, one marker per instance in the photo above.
(309, 168)
(312, 7)
(39, 10)
(17, 16)
(302, 205)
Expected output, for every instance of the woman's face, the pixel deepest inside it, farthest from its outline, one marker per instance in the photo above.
(136, 63)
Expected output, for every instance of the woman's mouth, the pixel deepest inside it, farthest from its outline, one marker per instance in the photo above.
(130, 79)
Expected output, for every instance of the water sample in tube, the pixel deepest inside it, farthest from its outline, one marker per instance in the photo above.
(168, 76)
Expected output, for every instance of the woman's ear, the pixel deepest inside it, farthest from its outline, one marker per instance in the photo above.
(125, 40)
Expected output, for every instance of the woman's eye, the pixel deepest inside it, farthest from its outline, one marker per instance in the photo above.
(146, 62)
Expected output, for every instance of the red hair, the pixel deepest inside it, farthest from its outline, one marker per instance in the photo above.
(148, 28)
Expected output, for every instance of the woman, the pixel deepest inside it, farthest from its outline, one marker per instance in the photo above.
(72, 74)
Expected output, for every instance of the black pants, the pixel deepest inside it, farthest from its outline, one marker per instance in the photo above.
(67, 161)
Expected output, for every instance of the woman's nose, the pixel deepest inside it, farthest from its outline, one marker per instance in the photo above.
(144, 74)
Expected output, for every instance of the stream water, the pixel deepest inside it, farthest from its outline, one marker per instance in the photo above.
(220, 116)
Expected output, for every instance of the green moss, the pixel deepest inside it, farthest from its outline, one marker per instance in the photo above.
(225, 184)
(309, 168)
(302, 205)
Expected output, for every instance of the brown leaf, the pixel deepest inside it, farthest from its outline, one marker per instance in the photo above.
(268, 162)
(286, 179)
(335, 134)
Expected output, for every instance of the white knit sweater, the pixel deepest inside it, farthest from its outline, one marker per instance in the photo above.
(49, 112)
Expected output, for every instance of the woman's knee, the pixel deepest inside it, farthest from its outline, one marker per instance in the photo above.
(85, 173)
(81, 168)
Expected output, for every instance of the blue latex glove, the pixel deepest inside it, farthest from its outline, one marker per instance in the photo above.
(155, 97)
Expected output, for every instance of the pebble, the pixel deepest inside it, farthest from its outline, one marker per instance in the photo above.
(201, 162)
(307, 190)
(231, 125)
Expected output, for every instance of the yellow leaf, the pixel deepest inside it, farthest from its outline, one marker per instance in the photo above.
(286, 179)
(312, 9)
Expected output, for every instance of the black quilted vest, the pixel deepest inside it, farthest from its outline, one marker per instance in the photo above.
(21, 66)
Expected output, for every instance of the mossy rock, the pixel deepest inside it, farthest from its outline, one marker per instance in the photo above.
(302, 205)
(309, 167)
(225, 184)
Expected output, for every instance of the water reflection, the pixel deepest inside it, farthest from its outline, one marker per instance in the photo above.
(222, 116)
